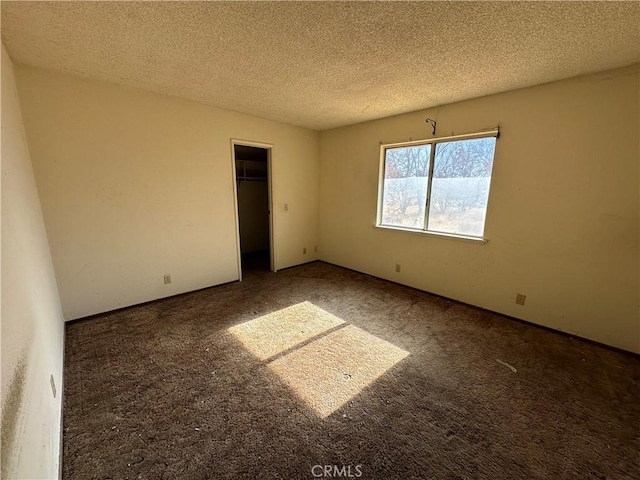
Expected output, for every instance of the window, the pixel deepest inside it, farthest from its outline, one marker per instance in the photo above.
(437, 186)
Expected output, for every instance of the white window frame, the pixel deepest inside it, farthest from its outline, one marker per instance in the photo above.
(432, 141)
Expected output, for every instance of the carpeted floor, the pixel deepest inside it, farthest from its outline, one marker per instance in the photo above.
(321, 372)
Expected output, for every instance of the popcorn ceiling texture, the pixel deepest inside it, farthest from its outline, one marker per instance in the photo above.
(323, 64)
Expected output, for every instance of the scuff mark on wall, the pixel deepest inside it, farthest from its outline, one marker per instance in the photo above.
(11, 408)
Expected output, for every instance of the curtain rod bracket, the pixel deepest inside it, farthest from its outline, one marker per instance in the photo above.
(432, 123)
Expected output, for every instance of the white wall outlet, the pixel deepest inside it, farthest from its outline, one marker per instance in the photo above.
(398, 267)
(520, 298)
(286, 207)
(315, 249)
(167, 279)
(304, 251)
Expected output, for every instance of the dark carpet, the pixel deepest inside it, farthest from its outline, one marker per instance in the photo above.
(321, 372)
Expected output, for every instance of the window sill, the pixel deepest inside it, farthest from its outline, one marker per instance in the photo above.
(463, 238)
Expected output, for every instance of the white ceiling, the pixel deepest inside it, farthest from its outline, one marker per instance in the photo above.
(324, 64)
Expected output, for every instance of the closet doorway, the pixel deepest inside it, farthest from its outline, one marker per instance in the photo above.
(252, 162)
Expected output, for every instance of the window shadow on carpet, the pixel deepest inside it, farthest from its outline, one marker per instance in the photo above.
(323, 360)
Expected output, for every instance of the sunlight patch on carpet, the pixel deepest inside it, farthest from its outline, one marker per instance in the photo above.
(279, 331)
(332, 370)
(323, 360)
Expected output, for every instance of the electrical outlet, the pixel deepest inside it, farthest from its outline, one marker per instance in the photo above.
(315, 249)
(53, 385)
(167, 279)
(286, 207)
(520, 298)
(398, 267)
(304, 251)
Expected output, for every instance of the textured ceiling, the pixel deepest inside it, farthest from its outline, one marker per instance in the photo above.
(323, 64)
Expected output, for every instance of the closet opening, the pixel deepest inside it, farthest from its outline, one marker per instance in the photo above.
(253, 195)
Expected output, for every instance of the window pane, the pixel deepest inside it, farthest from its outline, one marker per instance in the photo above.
(460, 190)
(406, 171)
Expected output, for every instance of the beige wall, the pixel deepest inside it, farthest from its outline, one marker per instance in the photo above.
(562, 220)
(135, 185)
(32, 328)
